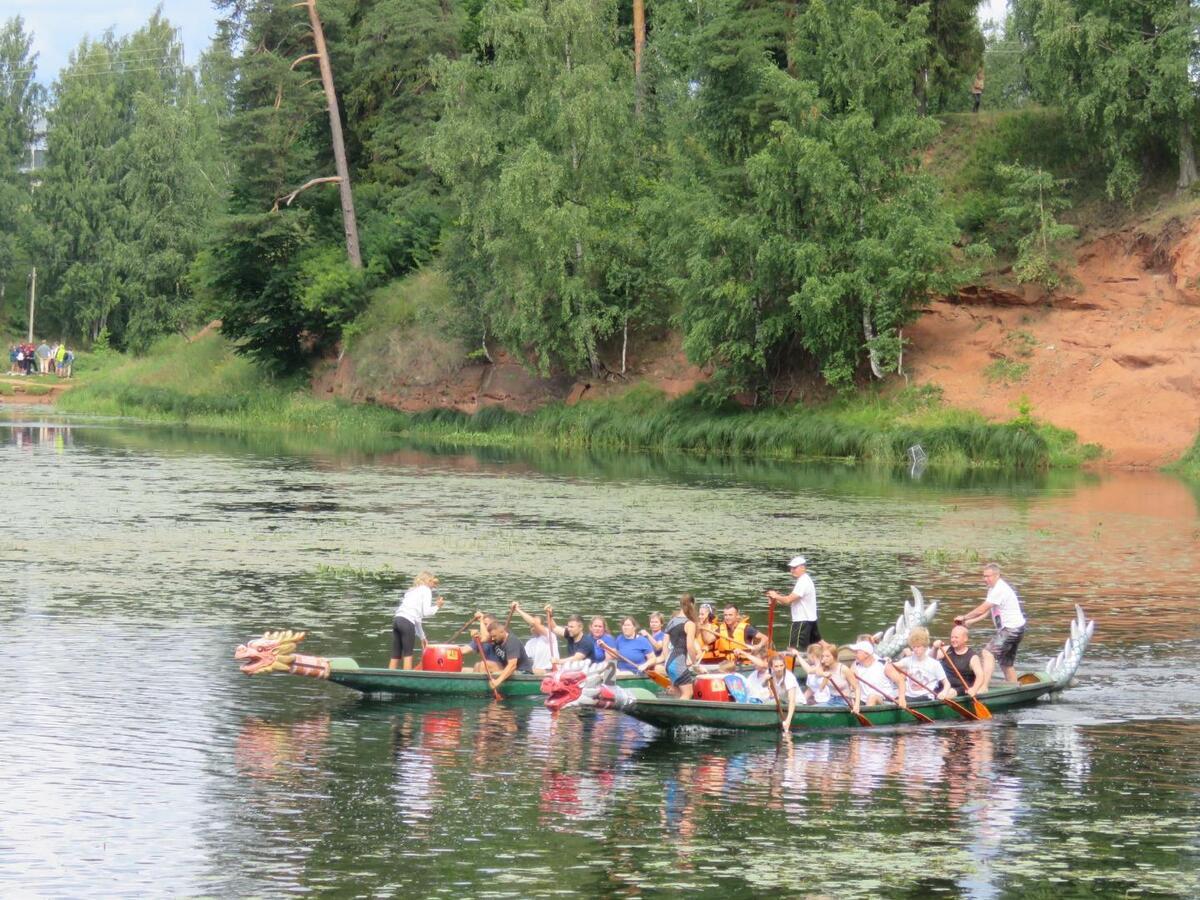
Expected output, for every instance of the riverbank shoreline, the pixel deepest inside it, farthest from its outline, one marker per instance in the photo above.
(203, 384)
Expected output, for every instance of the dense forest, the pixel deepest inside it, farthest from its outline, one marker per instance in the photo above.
(749, 173)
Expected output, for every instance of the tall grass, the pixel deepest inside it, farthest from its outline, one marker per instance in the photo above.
(1189, 464)
(204, 384)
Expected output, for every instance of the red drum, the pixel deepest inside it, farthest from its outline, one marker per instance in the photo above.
(442, 658)
(711, 687)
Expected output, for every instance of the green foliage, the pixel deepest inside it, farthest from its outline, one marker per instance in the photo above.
(537, 147)
(1124, 70)
(829, 238)
(1005, 370)
(330, 288)
(20, 102)
(1032, 200)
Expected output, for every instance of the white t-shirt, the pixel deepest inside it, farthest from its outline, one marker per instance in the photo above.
(804, 607)
(1003, 600)
(758, 689)
(416, 605)
(820, 688)
(928, 671)
(875, 674)
(543, 650)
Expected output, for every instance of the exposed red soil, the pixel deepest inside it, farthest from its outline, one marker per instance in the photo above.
(1114, 356)
(20, 385)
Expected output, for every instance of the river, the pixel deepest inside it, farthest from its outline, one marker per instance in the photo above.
(138, 760)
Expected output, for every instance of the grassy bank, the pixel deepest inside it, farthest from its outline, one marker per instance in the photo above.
(1189, 464)
(204, 384)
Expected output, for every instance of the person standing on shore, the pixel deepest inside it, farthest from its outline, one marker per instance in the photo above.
(803, 602)
(977, 90)
(1003, 606)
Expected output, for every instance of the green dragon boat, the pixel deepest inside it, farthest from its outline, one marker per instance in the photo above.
(669, 714)
(275, 651)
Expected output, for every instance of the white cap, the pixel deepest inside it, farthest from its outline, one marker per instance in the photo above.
(797, 561)
(863, 647)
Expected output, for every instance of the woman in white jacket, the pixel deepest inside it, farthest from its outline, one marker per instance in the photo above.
(418, 603)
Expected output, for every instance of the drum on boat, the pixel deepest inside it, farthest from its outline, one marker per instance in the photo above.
(711, 687)
(442, 658)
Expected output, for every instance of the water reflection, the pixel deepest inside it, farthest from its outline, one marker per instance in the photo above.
(137, 755)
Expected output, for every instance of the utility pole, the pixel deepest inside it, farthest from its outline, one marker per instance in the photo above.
(32, 301)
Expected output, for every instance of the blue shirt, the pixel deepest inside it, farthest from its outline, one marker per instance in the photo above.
(605, 640)
(584, 645)
(635, 649)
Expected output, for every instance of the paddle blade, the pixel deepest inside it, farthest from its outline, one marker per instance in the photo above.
(981, 711)
(862, 720)
(921, 717)
(659, 678)
(962, 710)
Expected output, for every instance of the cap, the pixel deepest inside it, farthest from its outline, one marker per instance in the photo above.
(797, 561)
(863, 647)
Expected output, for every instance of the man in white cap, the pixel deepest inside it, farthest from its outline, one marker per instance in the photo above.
(803, 600)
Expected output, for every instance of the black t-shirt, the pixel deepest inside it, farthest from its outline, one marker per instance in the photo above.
(585, 645)
(512, 648)
(963, 664)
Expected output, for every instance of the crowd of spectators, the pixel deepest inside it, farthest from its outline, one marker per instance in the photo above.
(26, 359)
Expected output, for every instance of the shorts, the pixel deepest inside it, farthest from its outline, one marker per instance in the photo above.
(678, 671)
(835, 701)
(404, 637)
(1004, 645)
(803, 634)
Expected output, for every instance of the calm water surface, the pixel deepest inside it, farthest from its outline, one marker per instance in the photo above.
(137, 760)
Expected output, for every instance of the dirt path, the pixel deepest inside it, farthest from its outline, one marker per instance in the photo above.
(46, 389)
(1115, 357)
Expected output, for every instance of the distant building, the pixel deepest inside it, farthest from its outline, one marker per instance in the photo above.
(35, 157)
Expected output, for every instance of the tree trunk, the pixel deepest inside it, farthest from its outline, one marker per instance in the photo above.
(872, 353)
(1187, 156)
(639, 44)
(624, 343)
(349, 221)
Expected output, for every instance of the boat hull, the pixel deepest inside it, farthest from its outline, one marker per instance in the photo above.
(415, 683)
(668, 713)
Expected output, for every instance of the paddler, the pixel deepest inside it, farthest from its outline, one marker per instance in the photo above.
(509, 652)
(870, 672)
(417, 603)
(681, 652)
(542, 645)
(580, 645)
(1002, 605)
(480, 643)
(960, 664)
(733, 633)
(803, 603)
(768, 674)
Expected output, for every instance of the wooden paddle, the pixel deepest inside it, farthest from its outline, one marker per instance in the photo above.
(981, 711)
(771, 628)
(657, 677)
(919, 716)
(862, 720)
(775, 694)
(466, 625)
(957, 707)
(487, 673)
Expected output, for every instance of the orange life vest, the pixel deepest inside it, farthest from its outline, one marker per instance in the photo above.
(725, 646)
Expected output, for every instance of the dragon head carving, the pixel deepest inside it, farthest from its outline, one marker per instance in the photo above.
(576, 684)
(275, 651)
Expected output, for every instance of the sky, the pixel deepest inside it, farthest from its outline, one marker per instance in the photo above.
(59, 25)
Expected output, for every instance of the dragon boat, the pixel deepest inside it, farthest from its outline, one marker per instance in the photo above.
(275, 651)
(669, 714)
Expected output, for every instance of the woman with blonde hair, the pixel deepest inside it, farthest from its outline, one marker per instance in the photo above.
(417, 603)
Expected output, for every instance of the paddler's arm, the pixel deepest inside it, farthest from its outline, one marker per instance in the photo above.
(538, 629)
(897, 676)
(982, 611)
(693, 650)
(509, 668)
(560, 630)
(977, 670)
(756, 661)
(791, 695)
(856, 695)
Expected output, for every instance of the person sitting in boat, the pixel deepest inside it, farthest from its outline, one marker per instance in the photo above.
(417, 603)
(509, 652)
(961, 666)
(706, 635)
(542, 646)
(870, 672)
(636, 650)
(926, 672)
(736, 633)
(480, 642)
(1002, 605)
(827, 681)
(681, 647)
(655, 635)
(580, 645)
(601, 638)
(770, 679)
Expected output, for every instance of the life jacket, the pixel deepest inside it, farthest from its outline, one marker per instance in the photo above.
(728, 643)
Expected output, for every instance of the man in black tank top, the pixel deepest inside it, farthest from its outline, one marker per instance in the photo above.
(962, 665)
